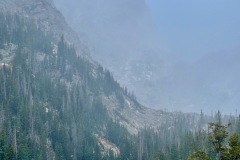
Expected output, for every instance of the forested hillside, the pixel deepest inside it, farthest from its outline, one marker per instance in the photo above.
(49, 103)
(56, 105)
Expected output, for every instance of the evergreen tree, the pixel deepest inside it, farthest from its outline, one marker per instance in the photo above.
(217, 137)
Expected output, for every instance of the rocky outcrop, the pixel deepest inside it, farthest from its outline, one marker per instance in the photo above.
(46, 15)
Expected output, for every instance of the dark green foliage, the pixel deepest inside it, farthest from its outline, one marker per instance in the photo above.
(200, 155)
(23, 152)
(233, 151)
(9, 154)
(217, 137)
(6, 150)
(159, 156)
(174, 152)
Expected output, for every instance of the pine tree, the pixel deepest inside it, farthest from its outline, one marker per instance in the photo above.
(217, 137)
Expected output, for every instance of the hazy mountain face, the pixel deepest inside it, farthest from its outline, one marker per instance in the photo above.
(122, 36)
(210, 84)
(115, 29)
(45, 14)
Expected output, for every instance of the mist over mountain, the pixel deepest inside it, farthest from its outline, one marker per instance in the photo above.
(113, 28)
(123, 36)
(57, 103)
(210, 84)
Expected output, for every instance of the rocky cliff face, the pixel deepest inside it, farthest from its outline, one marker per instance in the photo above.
(45, 14)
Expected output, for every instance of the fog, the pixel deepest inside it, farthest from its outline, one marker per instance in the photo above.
(194, 29)
(174, 56)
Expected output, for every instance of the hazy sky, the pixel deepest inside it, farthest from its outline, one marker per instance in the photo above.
(193, 28)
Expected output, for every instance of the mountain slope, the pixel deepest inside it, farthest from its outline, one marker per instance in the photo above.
(56, 104)
(50, 99)
(123, 38)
